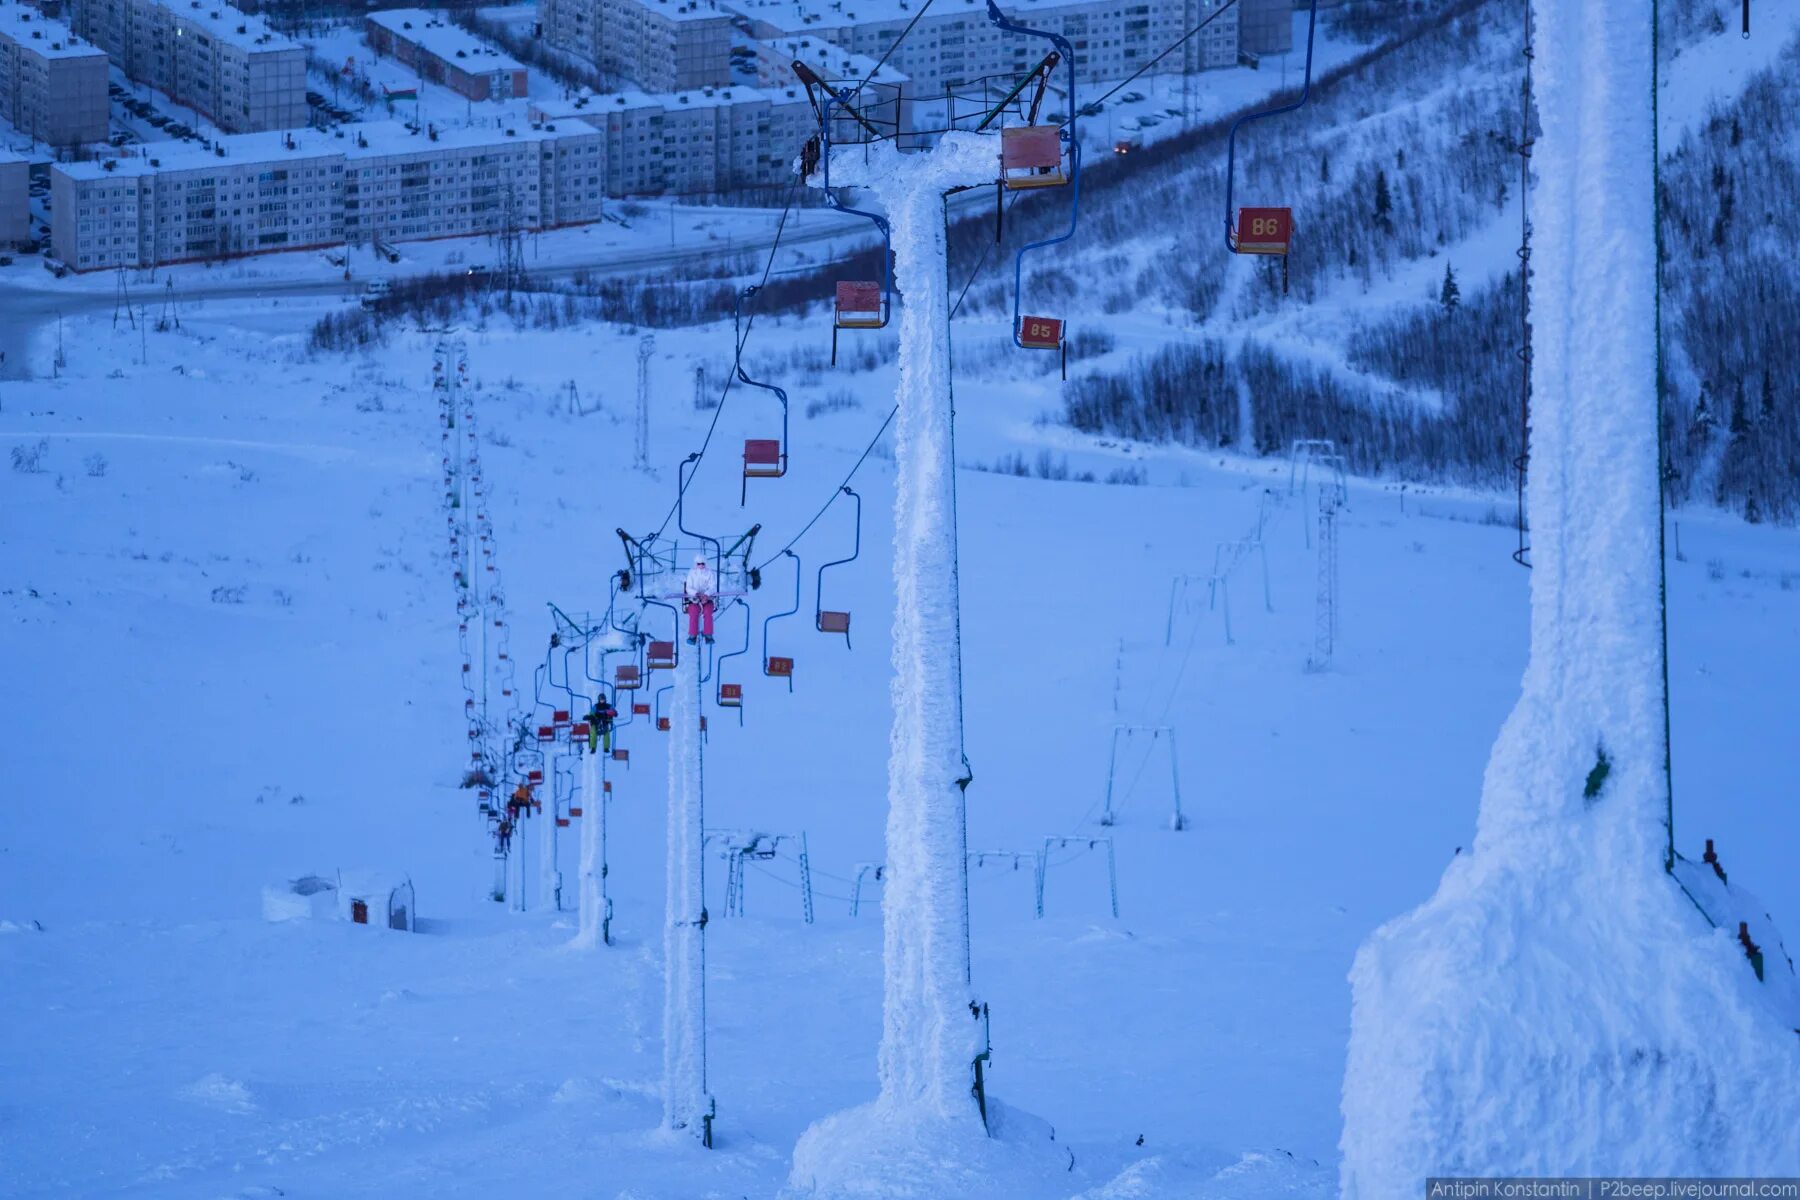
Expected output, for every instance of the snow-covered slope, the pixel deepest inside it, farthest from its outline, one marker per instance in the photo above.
(165, 1040)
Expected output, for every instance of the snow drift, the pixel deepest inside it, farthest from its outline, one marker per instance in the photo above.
(1560, 1006)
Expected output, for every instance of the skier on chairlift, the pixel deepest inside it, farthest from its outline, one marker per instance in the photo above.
(600, 724)
(699, 595)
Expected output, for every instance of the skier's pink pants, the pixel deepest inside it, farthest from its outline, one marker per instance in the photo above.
(699, 611)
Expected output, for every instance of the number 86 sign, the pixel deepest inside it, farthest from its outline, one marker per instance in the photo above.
(1264, 230)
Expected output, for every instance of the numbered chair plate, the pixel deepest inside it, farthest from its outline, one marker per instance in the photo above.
(1040, 333)
(1264, 230)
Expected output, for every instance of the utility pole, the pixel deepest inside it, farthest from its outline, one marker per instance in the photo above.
(646, 347)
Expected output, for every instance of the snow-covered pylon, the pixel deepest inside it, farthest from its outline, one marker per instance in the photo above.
(686, 1104)
(1560, 1007)
(924, 1135)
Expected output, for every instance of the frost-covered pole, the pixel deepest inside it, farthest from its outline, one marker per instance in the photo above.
(593, 836)
(1559, 1007)
(930, 1037)
(686, 1104)
(549, 797)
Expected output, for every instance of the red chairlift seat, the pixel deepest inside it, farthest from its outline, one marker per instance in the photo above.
(622, 755)
(559, 716)
(859, 304)
(662, 724)
(606, 784)
(661, 655)
(562, 822)
(1263, 231)
(780, 668)
(1036, 152)
(731, 695)
(534, 777)
(834, 622)
(546, 733)
(640, 710)
(626, 678)
(762, 459)
(581, 731)
(574, 810)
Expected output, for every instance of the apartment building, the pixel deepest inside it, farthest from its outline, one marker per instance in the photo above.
(261, 193)
(230, 66)
(15, 198)
(955, 44)
(687, 143)
(660, 45)
(52, 81)
(1266, 26)
(446, 54)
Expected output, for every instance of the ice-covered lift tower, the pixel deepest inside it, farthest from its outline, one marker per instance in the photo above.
(1560, 1006)
(924, 1134)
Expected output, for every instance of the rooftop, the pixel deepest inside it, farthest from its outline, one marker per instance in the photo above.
(440, 38)
(686, 10)
(801, 15)
(593, 105)
(44, 36)
(831, 62)
(352, 142)
(229, 25)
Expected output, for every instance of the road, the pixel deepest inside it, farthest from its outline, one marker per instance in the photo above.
(24, 312)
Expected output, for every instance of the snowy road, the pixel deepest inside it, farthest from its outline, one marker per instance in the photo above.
(26, 311)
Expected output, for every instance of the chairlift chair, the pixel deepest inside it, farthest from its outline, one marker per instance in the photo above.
(731, 695)
(776, 667)
(764, 458)
(1265, 231)
(626, 678)
(1032, 156)
(660, 656)
(837, 621)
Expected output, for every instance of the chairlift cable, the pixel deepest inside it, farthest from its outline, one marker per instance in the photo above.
(882, 61)
(731, 377)
(867, 450)
(1170, 49)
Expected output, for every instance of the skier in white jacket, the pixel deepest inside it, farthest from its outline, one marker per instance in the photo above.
(699, 595)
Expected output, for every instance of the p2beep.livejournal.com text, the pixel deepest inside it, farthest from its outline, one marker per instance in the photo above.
(1611, 1188)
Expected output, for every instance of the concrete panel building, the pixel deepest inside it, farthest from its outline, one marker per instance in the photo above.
(15, 199)
(954, 45)
(660, 45)
(231, 67)
(688, 143)
(177, 202)
(52, 81)
(1266, 26)
(446, 54)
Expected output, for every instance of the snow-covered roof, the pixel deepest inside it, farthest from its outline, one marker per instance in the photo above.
(685, 10)
(372, 140)
(834, 14)
(587, 107)
(441, 39)
(43, 36)
(230, 25)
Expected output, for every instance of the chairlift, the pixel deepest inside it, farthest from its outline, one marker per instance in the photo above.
(626, 677)
(764, 458)
(827, 620)
(1265, 231)
(731, 695)
(662, 722)
(660, 656)
(776, 667)
(858, 304)
(1031, 156)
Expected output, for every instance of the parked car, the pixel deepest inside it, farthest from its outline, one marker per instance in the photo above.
(375, 291)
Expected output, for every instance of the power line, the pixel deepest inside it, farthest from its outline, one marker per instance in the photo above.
(1171, 48)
